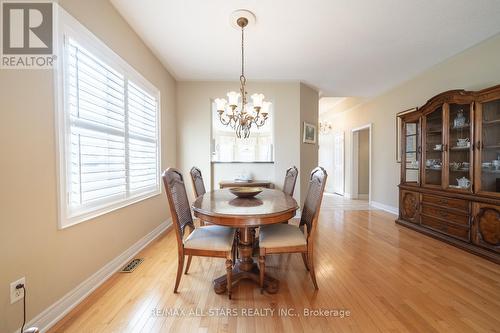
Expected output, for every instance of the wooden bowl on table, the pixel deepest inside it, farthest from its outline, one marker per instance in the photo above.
(245, 192)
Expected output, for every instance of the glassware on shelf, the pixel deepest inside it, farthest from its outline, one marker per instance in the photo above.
(463, 182)
(454, 166)
(438, 147)
(463, 143)
(496, 164)
(433, 164)
(434, 147)
(459, 166)
(459, 120)
(459, 135)
(490, 147)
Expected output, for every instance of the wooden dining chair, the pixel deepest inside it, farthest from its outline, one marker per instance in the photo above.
(289, 183)
(289, 238)
(198, 185)
(290, 180)
(206, 241)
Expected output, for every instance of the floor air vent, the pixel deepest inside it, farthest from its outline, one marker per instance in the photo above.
(131, 266)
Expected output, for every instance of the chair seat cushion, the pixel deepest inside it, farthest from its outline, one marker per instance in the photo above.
(281, 235)
(211, 237)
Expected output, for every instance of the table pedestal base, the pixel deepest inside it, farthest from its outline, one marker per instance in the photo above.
(271, 285)
(245, 267)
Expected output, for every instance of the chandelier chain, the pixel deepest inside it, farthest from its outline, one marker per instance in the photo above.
(243, 51)
(243, 79)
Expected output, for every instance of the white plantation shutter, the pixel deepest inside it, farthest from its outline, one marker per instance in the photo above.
(111, 130)
(142, 125)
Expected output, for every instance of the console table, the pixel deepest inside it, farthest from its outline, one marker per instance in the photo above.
(253, 183)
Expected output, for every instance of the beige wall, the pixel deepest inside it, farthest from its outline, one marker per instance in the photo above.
(309, 102)
(56, 261)
(473, 69)
(194, 119)
(363, 161)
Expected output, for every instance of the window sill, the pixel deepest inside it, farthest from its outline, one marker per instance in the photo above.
(66, 222)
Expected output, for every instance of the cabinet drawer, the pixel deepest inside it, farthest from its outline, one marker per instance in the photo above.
(456, 231)
(446, 202)
(433, 223)
(447, 215)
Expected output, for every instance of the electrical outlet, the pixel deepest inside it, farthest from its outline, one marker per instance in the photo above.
(17, 294)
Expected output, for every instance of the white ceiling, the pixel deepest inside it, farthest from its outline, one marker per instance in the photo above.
(328, 103)
(343, 48)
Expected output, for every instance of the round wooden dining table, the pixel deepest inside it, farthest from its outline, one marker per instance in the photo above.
(221, 207)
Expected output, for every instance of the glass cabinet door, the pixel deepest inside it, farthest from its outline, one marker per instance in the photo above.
(459, 147)
(433, 148)
(489, 147)
(411, 153)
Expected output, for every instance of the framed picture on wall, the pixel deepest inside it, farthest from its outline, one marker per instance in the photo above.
(398, 132)
(309, 133)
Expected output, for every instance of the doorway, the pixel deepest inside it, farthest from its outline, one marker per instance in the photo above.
(331, 157)
(338, 163)
(361, 163)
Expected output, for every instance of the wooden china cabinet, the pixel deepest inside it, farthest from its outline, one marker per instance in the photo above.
(450, 170)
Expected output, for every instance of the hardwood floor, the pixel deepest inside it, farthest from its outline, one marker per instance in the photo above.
(335, 202)
(390, 279)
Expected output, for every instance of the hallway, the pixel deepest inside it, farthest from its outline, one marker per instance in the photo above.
(338, 202)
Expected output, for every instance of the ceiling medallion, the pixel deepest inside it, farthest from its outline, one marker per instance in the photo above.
(236, 112)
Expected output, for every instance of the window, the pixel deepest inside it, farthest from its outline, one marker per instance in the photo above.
(226, 147)
(108, 127)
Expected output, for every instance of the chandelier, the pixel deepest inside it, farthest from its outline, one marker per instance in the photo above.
(236, 112)
(325, 127)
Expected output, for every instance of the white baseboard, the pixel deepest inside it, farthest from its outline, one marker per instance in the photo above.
(347, 195)
(50, 316)
(362, 196)
(387, 208)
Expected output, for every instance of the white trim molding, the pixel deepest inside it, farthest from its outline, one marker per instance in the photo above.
(387, 208)
(50, 316)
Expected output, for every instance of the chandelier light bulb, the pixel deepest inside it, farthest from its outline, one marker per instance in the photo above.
(257, 100)
(233, 98)
(221, 104)
(265, 108)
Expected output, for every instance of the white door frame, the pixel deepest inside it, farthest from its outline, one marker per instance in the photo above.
(354, 161)
(342, 134)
